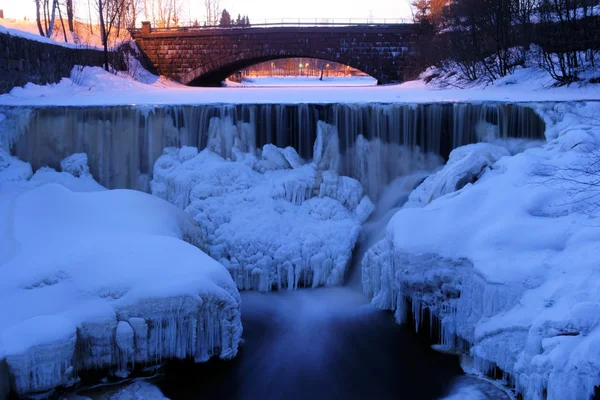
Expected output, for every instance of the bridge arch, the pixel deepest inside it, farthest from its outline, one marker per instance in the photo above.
(196, 55)
(213, 77)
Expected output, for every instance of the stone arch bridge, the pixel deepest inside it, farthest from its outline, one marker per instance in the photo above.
(206, 56)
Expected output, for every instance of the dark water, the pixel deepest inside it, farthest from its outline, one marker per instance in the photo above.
(317, 344)
(326, 344)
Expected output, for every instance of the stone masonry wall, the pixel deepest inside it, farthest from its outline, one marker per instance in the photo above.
(383, 52)
(23, 60)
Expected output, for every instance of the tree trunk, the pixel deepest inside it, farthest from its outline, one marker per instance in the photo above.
(63, 25)
(103, 35)
(54, 5)
(37, 17)
(70, 15)
(46, 15)
(321, 78)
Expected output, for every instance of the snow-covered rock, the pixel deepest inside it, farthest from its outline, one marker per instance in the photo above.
(510, 263)
(12, 169)
(102, 280)
(465, 165)
(76, 164)
(272, 220)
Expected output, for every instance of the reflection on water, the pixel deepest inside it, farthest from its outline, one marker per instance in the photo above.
(471, 388)
(317, 344)
(323, 343)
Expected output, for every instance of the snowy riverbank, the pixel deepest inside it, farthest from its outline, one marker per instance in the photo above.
(101, 280)
(509, 262)
(94, 86)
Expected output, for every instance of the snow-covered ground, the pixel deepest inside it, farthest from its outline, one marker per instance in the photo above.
(305, 81)
(98, 279)
(93, 86)
(273, 220)
(83, 37)
(508, 258)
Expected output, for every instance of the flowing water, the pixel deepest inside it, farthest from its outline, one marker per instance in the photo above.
(122, 143)
(329, 343)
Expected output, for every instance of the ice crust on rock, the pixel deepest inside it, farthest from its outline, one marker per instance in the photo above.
(76, 165)
(101, 279)
(274, 221)
(465, 165)
(508, 264)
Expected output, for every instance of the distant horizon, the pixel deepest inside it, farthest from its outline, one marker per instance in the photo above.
(258, 11)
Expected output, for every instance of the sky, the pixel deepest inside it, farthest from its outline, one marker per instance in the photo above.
(258, 10)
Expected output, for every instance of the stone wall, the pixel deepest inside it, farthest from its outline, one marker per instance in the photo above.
(23, 60)
(192, 56)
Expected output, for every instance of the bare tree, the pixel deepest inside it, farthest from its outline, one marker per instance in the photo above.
(109, 12)
(52, 18)
(45, 30)
(213, 12)
(69, 4)
(38, 18)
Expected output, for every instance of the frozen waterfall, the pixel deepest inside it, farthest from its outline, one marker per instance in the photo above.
(123, 143)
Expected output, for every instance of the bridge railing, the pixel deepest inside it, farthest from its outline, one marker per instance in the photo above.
(286, 22)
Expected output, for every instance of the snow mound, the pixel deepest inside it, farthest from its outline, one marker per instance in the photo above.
(102, 280)
(465, 166)
(272, 220)
(509, 264)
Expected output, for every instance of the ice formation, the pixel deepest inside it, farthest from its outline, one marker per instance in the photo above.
(101, 280)
(508, 264)
(465, 165)
(271, 219)
(123, 142)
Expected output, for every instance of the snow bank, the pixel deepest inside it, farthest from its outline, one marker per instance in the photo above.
(107, 89)
(83, 37)
(509, 263)
(271, 219)
(102, 280)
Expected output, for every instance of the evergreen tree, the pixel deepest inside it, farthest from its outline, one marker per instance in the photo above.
(238, 21)
(225, 18)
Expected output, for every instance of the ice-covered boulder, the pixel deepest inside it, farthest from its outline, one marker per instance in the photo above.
(12, 169)
(510, 266)
(76, 164)
(465, 165)
(103, 281)
(272, 220)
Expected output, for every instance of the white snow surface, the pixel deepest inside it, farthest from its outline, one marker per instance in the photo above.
(95, 278)
(94, 86)
(509, 263)
(83, 37)
(271, 219)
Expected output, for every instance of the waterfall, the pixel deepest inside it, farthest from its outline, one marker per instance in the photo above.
(123, 142)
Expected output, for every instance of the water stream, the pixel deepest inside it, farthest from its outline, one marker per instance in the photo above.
(329, 343)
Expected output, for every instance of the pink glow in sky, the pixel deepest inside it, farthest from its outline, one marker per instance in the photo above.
(260, 9)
